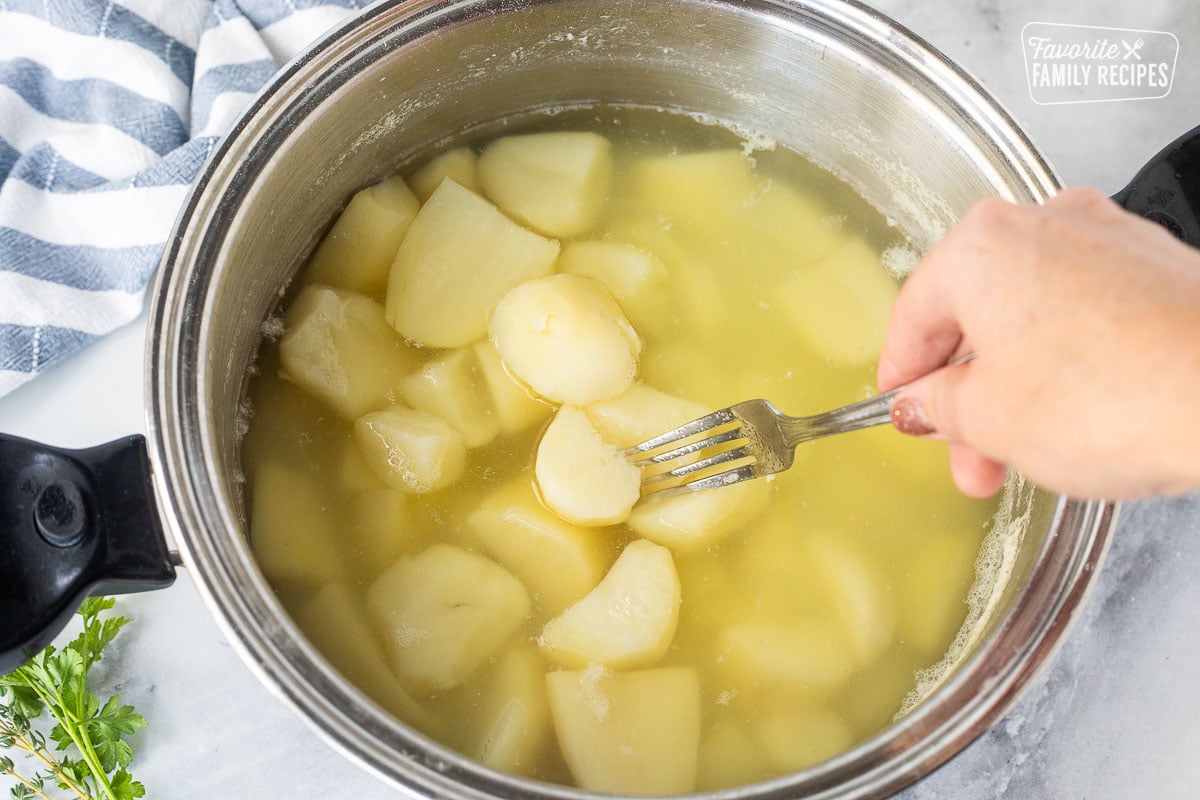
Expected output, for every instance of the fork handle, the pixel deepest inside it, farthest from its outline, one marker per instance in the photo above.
(867, 413)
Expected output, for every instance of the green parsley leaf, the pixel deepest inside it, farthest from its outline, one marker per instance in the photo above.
(92, 751)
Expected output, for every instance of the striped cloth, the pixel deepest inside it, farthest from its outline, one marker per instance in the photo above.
(107, 112)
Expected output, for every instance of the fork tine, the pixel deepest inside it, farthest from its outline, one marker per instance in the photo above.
(736, 454)
(692, 447)
(713, 420)
(726, 478)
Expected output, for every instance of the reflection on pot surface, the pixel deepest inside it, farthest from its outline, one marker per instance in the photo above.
(437, 494)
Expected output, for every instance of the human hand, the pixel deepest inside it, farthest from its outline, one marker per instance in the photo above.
(1085, 322)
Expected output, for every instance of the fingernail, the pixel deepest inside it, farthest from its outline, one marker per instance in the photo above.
(908, 416)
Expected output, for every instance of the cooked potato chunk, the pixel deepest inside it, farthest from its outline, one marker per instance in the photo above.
(513, 725)
(514, 405)
(730, 755)
(460, 256)
(795, 739)
(627, 621)
(410, 450)
(290, 526)
(566, 338)
(556, 183)
(840, 306)
(796, 224)
(630, 733)
(452, 387)
(557, 561)
(457, 164)
(857, 595)
(334, 623)
(825, 574)
(338, 347)
(706, 191)
(583, 478)
(640, 413)
(444, 612)
(357, 253)
(690, 522)
(380, 525)
(630, 273)
(800, 654)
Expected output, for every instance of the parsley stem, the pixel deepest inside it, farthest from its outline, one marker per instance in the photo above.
(24, 743)
(28, 784)
(83, 741)
(78, 734)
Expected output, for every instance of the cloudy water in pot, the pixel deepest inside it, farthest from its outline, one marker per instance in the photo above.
(434, 480)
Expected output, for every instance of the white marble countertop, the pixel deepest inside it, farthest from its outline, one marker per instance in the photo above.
(1117, 714)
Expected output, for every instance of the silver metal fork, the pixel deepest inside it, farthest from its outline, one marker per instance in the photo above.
(747, 440)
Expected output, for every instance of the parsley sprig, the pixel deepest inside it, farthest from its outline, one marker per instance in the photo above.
(86, 753)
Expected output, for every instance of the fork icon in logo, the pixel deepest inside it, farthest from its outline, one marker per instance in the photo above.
(1132, 49)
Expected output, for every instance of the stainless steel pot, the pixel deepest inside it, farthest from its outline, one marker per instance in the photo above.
(837, 82)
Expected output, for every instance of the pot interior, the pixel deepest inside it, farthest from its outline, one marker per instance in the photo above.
(835, 83)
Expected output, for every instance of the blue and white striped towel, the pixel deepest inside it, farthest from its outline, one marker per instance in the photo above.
(107, 112)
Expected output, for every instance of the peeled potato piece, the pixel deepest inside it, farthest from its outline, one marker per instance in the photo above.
(690, 522)
(630, 273)
(410, 450)
(380, 525)
(730, 755)
(514, 720)
(858, 595)
(452, 387)
(457, 164)
(460, 256)
(825, 574)
(641, 413)
(357, 252)
(566, 338)
(795, 225)
(338, 347)
(291, 529)
(444, 612)
(515, 408)
(707, 191)
(334, 624)
(797, 738)
(558, 562)
(627, 621)
(556, 183)
(583, 478)
(840, 306)
(353, 473)
(628, 733)
(807, 655)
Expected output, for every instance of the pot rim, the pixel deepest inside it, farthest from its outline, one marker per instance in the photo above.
(187, 478)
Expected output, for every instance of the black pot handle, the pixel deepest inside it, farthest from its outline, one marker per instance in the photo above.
(72, 523)
(1167, 189)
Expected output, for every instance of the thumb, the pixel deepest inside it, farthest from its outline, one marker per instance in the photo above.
(936, 406)
(931, 406)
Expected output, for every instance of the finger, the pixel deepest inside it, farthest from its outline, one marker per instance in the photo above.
(925, 330)
(922, 333)
(975, 475)
(931, 406)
